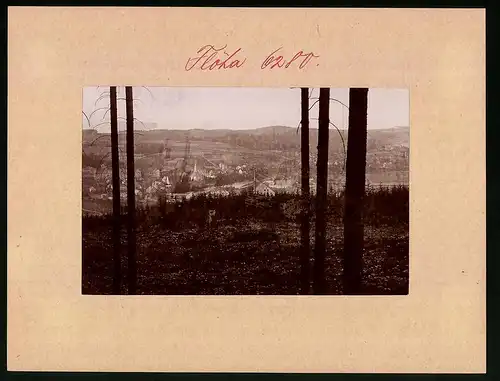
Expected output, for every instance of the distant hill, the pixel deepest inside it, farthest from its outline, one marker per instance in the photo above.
(270, 130)
(261, 144)
(395, 135)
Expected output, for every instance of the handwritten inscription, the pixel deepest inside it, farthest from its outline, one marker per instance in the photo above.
(210, 58)
(279, 61)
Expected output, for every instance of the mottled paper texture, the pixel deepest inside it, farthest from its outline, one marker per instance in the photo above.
(438, 54)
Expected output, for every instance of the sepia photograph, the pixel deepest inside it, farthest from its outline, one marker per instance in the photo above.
(245, 191)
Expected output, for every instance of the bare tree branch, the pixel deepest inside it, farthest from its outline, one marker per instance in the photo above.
(88, 119)
(137, 120)
(343, 143)
(149, 91)
(135, 132)
(342, 138)
(332, 99)
(104, 95)
(104, 116)
(98, 109)
(100, 124)
(133, 100)
(96, 139)
(104, 157)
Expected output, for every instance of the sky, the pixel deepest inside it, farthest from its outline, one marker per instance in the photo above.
(238, 107)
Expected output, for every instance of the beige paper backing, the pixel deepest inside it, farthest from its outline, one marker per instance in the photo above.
(438, 54)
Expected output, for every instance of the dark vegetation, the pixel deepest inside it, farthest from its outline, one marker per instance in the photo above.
(229, 178)
(252, 245)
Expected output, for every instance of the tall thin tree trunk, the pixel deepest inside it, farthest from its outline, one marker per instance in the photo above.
(355, 190)
(132, 261)
(321, 191)
(305, 225)
(115, 171)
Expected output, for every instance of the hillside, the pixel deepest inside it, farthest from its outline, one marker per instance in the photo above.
(264, 138)
(270, 147)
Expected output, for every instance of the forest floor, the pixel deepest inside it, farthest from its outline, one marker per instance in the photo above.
(244, 258)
